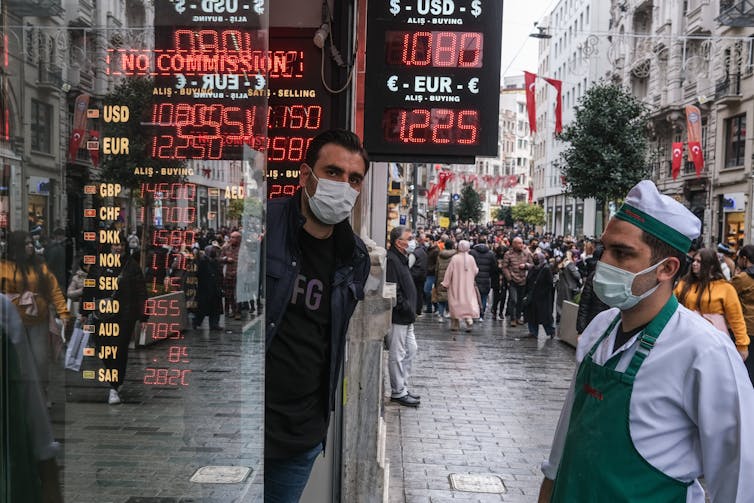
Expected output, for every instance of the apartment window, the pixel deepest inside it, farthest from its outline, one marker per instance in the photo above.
(735, 140)
(41, 123)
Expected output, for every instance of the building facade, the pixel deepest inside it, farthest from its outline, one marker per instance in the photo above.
(575, 54)
(699, 53)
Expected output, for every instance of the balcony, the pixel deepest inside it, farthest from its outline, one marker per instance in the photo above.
(738, 13)
(50, 77)
(728, 91)
(35, 8)
(79, 13)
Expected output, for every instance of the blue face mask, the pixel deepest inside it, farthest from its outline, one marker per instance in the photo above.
(613, 285)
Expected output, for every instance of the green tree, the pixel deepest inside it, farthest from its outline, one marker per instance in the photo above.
(136, 94)
(607, 144)
(470, 205)
(503, 214)
(531, 214)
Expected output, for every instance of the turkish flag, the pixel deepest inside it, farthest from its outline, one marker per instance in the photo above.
(558, 85)
(79, 124)
(677, 158)
(697, 156)
(531, 100)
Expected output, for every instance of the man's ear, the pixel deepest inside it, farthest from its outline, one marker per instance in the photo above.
(303, 175)
(669, 268)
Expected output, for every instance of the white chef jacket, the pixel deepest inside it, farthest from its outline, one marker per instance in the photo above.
(692, 406)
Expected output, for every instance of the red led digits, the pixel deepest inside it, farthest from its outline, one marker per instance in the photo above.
(166, 377)
(173, 238)
(280, 190)
(162, 307)
(436, 49)
(434, 126)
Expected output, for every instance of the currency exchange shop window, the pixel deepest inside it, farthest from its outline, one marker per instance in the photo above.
(131, 332)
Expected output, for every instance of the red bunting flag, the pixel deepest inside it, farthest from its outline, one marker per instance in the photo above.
(79, 124)
(697, 156)
(531, 100)
(677, 158)
(94, 153)
(558, 85)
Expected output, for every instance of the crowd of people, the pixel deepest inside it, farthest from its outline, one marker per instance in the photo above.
(471, 273)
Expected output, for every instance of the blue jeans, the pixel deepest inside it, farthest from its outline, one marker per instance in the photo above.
(483, 307)
(428, 284)
(285, 479)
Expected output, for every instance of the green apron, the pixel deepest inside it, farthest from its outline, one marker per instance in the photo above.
(600, 462)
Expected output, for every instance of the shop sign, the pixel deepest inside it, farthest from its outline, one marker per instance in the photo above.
(735, 201)
(39, 185)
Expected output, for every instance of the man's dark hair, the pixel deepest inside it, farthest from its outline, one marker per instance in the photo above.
(747, 252)
(662, 250)
(396, 233)
(346, 139)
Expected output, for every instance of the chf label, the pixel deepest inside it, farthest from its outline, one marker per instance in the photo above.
(109, 212)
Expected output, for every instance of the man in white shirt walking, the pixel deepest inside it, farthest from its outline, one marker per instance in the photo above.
(660, 397)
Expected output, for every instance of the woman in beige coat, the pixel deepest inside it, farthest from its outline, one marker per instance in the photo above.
(462, 292)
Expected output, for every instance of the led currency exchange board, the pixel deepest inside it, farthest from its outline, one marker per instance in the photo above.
(433, 67)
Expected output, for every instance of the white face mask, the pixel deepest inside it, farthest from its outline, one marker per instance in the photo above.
(613, 285)
(411, 246)
(333, 201)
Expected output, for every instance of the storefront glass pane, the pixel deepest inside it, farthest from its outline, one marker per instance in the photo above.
(133, 146)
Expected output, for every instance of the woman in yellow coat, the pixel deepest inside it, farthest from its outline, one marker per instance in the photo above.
(32, 288)
(705, 290)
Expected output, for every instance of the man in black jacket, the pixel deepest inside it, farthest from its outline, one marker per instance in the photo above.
(402, 338)
(316, 268)
(419, 269)
(486, 262)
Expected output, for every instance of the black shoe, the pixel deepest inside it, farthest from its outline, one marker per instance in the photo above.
(216, 329)
(415, 397)
(406, 401)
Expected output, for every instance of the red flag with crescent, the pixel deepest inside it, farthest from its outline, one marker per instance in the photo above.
(558, 85)
(531, 100)
(443, 179)
(79, 124)
(697, 156)
(677, 158)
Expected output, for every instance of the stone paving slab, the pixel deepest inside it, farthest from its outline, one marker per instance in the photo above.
(490, 404)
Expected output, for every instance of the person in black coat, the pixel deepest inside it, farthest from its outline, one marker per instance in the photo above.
(539, 297)
(418, 269)
(209, 295)
(487, 263)
(590, 305)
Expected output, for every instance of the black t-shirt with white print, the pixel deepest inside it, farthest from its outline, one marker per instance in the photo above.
(297, 363)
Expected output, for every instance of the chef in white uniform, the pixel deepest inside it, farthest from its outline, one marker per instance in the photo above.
(660, 397)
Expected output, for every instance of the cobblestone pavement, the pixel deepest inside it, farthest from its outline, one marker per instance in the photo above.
(146, 449)
(490, 401)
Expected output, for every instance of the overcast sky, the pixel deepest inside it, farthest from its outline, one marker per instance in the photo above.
(519, 50)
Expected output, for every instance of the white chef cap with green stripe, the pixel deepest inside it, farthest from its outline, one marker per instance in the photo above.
(660, 215)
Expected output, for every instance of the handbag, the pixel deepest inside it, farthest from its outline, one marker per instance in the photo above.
(26, 302)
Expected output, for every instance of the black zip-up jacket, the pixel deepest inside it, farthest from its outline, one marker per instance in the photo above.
(487, 263)
(283, 264)
(404, 312)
